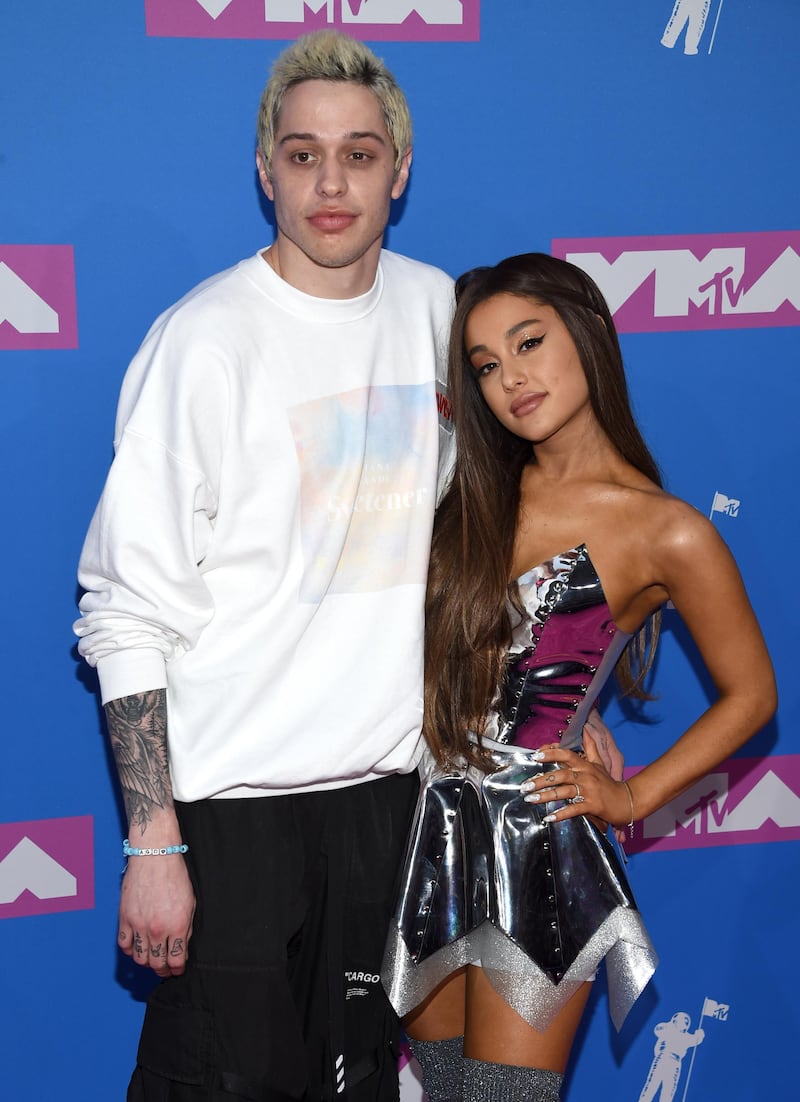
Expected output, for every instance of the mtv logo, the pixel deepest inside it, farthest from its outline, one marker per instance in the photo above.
(388, 20)
(698, 281)
(37, 297)
(46, 866)
(743, 802)
(713, 1009)
(727, 505)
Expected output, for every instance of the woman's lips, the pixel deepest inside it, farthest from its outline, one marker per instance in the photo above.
(526, 403)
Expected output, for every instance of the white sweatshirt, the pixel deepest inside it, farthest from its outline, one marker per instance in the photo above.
(260, 548)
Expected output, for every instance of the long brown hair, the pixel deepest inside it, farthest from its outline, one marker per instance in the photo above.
(468, 626)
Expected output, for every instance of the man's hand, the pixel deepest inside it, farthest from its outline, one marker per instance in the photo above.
(603, 741)
(157, 904)
(155, 913)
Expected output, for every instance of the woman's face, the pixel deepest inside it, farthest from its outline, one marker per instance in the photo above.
(528, 368)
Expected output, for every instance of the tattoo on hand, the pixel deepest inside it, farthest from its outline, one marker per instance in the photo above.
(176, 948)
(137, 726)
(157, 950)
(138, 945)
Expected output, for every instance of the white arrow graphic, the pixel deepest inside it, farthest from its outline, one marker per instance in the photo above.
(215, 8)
(28, 866)
(771, 799)
(19, 304)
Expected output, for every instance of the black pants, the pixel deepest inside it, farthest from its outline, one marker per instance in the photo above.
(281, 998)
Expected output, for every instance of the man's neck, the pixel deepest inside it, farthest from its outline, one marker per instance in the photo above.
(349, 281)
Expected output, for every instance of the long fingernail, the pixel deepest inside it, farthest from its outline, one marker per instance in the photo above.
(534, 798)
(537, 755)
(549, 819)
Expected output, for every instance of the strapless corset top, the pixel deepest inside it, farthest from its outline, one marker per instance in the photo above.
(564, 646)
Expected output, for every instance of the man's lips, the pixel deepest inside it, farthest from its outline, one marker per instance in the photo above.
(331, 221)
(526, 403)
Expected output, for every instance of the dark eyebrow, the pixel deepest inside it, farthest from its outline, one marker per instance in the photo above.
(512, 332)
(353, 136)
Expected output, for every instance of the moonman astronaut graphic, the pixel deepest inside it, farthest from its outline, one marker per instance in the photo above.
(674, 1041)
(691, 12)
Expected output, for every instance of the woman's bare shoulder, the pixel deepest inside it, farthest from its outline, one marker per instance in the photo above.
(681, 543)
(671, 521)
(670, 530)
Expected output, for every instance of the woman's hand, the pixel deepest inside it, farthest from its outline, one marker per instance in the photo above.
(583, 781)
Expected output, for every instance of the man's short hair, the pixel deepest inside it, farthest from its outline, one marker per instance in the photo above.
(330, 55)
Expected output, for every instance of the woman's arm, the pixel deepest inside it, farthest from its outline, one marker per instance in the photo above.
(694, 565)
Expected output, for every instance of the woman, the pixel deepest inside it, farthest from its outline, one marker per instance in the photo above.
(553, 551)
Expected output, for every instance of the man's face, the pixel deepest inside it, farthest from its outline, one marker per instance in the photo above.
(332, 179)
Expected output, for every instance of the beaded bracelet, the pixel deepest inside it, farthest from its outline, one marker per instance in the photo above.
(130, 851)
(630, 797)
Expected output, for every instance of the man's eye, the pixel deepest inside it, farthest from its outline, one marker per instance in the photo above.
(302, 157)
(359, 155)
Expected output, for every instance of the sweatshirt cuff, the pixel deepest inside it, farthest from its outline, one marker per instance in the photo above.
(127, 672)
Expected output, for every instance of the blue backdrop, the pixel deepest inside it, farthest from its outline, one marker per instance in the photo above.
(592, 129)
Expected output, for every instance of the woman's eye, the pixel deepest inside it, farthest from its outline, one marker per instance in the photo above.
(484, 369)
(529, 343)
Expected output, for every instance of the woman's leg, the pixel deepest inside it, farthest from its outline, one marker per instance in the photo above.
(435, 1031)
(507, 1059)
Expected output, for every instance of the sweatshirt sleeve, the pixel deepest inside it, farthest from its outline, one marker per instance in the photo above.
(145, 600)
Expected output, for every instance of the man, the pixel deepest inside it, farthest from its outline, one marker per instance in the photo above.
(254, 579)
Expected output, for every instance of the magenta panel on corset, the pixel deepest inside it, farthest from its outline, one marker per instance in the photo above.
(564, 646)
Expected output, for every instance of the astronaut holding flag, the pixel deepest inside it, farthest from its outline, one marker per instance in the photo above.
(674, 1041)
(691, 14)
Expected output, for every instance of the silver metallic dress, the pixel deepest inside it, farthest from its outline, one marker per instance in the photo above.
(538, 905)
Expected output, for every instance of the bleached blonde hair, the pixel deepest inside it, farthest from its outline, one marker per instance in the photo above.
(333, 56)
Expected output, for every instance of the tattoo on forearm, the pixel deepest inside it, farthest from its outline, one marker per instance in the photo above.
(137, 726)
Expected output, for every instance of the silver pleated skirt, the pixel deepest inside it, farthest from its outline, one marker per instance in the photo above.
(539, 905)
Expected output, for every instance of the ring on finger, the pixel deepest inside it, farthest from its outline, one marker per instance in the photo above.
(578, 798)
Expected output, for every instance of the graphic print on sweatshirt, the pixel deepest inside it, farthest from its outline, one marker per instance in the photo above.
(367, 465)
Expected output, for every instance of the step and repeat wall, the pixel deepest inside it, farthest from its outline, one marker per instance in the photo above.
(653, 143)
